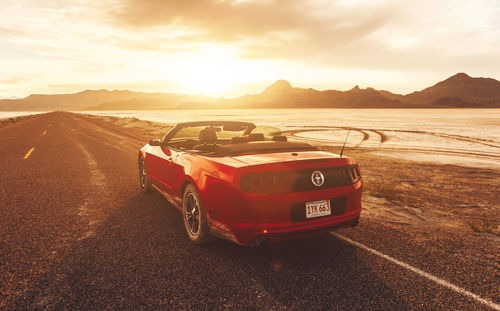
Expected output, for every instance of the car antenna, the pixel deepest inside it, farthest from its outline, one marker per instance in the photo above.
(342, 151)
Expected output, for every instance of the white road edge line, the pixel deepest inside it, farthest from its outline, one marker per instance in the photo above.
(428, 276)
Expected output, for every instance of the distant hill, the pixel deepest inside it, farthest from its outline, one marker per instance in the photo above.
(459, 90)
(282, 95)
(79, 100)
(99, 100)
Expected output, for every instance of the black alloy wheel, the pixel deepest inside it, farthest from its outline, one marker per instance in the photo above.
(143, 177)
(195, 220)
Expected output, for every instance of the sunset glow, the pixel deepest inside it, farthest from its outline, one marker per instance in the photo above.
(229, 48)
(215, 71)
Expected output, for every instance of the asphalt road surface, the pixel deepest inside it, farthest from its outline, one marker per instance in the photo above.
(77, 233)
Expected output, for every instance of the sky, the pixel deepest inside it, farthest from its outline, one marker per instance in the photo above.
(234, 47)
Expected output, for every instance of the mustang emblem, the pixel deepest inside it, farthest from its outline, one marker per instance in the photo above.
(317, 178)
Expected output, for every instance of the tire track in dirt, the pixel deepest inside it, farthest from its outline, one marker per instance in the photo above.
(486, 142)
(450, 136)
(384, 138)
(294, 133)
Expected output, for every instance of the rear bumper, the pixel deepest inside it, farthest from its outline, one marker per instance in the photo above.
(257, 236)
(250, 219)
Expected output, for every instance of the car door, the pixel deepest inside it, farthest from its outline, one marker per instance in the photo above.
(160, 167)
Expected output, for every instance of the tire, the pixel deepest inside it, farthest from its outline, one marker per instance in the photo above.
(195, 219)
(143, 177)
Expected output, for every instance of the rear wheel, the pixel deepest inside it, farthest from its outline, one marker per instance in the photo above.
(143, 177)
(195, 219)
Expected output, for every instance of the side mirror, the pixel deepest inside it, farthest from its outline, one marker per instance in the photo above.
(155, 142)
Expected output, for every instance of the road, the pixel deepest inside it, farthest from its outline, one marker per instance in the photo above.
(77, 233)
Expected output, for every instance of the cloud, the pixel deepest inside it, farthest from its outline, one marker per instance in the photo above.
(222, 20)
(384, 35)
(313, 43)
(9, 32)
(276, 22)
(15, 80)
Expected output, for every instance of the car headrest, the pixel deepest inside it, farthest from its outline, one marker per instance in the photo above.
(256, 137)
(239, 140)
(208, 136)
(280, 138)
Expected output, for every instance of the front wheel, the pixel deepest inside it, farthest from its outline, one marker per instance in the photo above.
(195, 219)
(143, 177)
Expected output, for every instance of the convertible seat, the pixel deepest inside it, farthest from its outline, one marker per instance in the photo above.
(239, 140)
(280, 138)
(208, 140)
(208, 136)
(256, 137)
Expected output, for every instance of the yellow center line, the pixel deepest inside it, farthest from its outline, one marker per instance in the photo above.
(29, 153)
(44, 132)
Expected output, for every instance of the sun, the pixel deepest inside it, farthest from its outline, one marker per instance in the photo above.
(213, 72)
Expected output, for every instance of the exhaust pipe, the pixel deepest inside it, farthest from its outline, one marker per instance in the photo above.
(259, 241)
(355, 222)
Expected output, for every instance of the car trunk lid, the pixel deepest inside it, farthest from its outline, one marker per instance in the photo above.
(281, 157)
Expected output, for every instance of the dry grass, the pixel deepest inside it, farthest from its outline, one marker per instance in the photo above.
(464, 194)
(391, 193)
(386, 191)
(486, 225)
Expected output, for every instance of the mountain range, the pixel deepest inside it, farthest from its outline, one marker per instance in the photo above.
(459, 90)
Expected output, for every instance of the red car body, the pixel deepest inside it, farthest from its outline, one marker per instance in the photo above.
(255, 196)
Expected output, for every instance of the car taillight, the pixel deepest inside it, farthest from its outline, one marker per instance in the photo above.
(268, 182)
(354, 172)
(298, 180)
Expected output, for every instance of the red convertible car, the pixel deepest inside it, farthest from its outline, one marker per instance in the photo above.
(236, 181)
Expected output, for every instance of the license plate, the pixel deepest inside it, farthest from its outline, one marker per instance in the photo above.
(318, 208)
